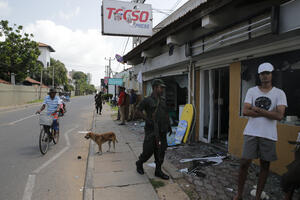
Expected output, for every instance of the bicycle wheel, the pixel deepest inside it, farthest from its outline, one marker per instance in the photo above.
(55, 136)
(44, 141)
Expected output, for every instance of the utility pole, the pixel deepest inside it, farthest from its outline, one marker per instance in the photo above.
(41, 83)
(108, 68)
(53, 77)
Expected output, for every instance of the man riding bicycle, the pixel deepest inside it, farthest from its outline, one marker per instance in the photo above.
(54, 104)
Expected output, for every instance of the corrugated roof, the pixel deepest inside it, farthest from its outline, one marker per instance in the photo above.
(46, 45)
(184, 9)
(185, 18)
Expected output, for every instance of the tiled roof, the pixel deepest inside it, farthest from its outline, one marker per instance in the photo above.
(32, 80)
(4, 82)
(35, 82)
(46, 45)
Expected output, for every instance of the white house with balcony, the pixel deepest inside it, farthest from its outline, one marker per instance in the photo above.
(44, 57)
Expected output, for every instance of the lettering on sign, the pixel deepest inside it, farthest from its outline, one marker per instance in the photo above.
(126, 18)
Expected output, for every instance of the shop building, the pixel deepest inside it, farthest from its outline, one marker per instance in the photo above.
(209, 54)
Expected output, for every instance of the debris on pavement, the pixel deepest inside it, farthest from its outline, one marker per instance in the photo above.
(229, 189)
(217, 159)
(262, 196)
(151, 165)
(184, 170)
(170, 148)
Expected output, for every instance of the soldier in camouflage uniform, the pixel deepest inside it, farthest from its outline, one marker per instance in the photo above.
(156, 128)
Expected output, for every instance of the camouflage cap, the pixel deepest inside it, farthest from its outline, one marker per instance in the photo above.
(158, 82)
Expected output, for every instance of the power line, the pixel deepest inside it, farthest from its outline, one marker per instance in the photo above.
(175, 5)
(125, 46)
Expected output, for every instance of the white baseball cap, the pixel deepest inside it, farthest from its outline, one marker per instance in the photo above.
(265, 67)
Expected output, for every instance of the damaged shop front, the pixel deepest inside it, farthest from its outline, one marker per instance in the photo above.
(226, 61)
(208, 57)
(176, 94)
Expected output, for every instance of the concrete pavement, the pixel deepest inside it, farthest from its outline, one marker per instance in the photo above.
(113, 176)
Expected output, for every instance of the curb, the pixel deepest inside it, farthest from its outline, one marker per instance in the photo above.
(88, 193)
(16, 107)
(172, 170)
(88, 183)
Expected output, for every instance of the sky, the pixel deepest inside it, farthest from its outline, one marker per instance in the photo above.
(73, 29)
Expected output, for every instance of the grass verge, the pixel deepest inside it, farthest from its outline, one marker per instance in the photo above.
(36, 101)
(115, 108)
(156, 184)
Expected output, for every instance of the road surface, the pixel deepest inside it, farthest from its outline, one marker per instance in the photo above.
(25, 173)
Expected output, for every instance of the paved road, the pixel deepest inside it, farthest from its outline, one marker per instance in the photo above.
(25, 173)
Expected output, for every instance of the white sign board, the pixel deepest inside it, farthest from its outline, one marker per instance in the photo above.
(126, 18)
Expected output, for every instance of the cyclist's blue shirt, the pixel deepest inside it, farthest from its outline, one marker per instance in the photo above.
(52, 105)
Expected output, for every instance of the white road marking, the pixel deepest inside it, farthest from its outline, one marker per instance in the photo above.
(14, 122)
(36, 171)
(31, 178)
(83, 131)
(67, 139)
(29, 187)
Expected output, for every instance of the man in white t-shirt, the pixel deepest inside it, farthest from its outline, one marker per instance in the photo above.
(264, 105)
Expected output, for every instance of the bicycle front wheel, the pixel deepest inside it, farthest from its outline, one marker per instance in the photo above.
(44, 141)
(55, 137)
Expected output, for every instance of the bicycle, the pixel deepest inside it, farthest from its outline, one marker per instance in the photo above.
(47, 133)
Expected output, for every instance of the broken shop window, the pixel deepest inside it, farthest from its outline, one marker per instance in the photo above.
(285, 76)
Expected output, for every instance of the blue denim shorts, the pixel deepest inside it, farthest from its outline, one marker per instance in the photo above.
(55, 125)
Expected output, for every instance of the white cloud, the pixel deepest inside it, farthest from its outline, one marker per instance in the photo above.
(77, 49)
(4, 9)
(70, 14)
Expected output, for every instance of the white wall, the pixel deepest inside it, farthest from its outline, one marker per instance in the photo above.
(11, 95)
(44, 57)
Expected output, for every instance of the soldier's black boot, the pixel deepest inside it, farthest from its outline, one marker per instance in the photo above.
(159, 173)
(139, 167)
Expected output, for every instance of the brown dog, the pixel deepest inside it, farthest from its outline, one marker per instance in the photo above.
(102, 138)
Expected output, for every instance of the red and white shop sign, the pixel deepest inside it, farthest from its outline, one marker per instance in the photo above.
(126, 18)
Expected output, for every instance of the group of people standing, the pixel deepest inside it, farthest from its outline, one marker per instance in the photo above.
(126, 102)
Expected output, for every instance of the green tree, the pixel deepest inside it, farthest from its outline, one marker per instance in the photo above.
(18, 52)
(79, 76)
(90, 89)
(81, 84)
(69, 88)
(60, 73)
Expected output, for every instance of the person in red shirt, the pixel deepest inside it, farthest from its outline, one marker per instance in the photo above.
(121, 104)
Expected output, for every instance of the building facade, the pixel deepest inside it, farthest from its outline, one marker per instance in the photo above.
(44, 57)
(209, 57)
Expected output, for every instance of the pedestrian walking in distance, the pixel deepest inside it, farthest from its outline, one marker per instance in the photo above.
(156, 127)
(132, 105)
(98, 103)
(121, 104)
(264, 105)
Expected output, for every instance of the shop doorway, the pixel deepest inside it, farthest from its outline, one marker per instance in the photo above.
(214, 105)
(176, 95)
